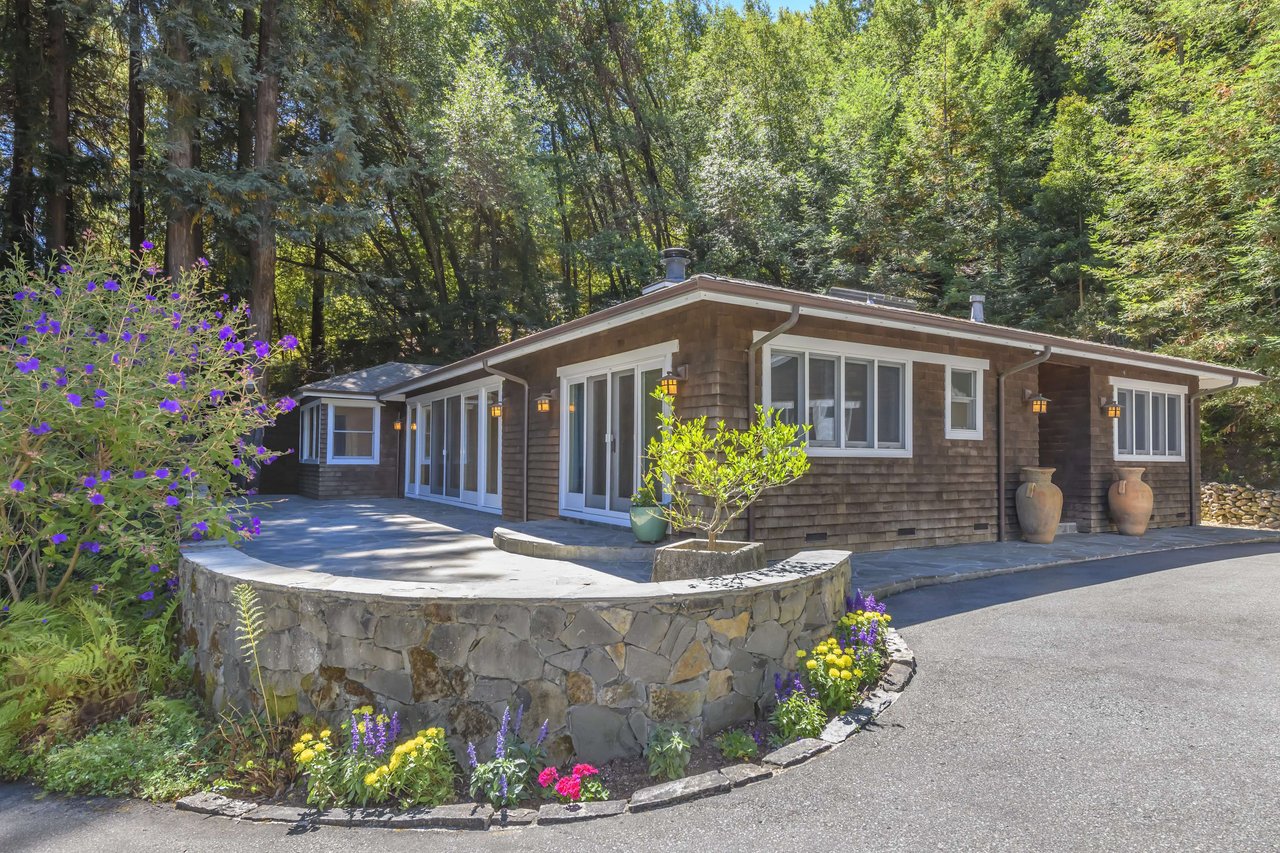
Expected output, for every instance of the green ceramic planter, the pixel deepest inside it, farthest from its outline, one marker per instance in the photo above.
(647, 523)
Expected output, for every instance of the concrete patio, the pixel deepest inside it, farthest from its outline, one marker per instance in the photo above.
(420, 541)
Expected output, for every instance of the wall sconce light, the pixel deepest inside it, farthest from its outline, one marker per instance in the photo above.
(495, 409)
(398, 425)
(543, 402)
(1109, 407)
(413, 426)
(670, 381)
(1039, 402)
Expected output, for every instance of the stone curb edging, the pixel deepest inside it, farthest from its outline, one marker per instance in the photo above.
(888, 589)
(897, 675)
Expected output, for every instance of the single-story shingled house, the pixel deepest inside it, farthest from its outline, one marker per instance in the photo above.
(920, 422)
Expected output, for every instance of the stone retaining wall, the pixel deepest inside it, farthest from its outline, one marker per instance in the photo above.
(700, 653)
(1225, 503)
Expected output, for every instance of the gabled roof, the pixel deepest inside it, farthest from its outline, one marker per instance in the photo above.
(708, 288)
(368, 382)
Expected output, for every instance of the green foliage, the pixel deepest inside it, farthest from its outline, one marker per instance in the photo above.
(249, 630)
(647, 494)
(668, 749)
(797, 716)
(164, 755)
(501, 782)
(727, 469)
(125, 399)
(737, 745)
(64, 670)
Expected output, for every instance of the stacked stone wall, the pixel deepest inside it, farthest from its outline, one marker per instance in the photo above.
(602, 672)
(1240, 506)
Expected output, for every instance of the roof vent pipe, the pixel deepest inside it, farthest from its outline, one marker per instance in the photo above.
(977, 308)
(675, 262)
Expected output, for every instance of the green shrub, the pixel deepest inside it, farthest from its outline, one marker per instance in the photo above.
(669, 749)
(163, 756)
(797, 716)
(737, 745)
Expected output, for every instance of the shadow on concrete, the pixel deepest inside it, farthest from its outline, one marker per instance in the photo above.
(928, 604)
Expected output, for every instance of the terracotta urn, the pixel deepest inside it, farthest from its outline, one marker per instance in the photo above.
(1039, 504)
(1130, 500)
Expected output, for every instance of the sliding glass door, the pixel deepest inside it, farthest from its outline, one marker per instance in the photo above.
(606, 423)
(455, 450)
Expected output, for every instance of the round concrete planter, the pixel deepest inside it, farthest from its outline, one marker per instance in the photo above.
(692, 559)
(1131, 501)
(647, 523)
(1039, 504)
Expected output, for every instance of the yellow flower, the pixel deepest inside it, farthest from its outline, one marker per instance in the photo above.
(298, 747)
(887, 617)
(846, 675)
(360, 727)
(371, 779)
(365, 709)
(858, 673)
(833, 672)
(305, 737)
(831, 659)
(813, 664)
(306, 756)
(800, 653)
(320, 746)
(424, 732)
(846, 661)
(325, 734)
(395, 762)
(435, 732)
(419, 742)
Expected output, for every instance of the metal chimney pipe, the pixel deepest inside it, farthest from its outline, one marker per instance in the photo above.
(676, 260)
(977, 312)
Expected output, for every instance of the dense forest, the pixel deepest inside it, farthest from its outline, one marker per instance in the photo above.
(421, 179)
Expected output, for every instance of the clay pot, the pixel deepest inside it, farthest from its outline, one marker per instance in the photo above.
(1039, 504)
(1130, 500)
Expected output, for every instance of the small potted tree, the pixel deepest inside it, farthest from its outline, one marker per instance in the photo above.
(712, 476)
(648, 524)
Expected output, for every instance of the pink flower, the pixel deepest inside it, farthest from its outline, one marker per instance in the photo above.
(570, 787)
(548, 776)
(584, 770)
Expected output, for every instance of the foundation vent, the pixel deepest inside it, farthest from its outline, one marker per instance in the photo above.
(816, 537)
(906, 531)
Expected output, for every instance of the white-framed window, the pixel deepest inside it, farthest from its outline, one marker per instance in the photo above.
(353, 433)
(855, 405)
(1152, 422)
(309, 441)
(964, 403)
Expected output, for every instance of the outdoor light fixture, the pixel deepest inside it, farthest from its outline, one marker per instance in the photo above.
(670, 381)
(398, 426)
(413, 425)
(1039, 402)
(1110, 407)
(543, 403)
(495, 409)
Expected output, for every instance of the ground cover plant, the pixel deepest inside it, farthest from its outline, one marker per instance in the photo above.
(668, 751)
(509, 776)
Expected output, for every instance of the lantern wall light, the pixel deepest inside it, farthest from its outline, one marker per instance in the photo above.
(398, 425)
(495, 409)
(543, 402)
(1109, 407)
(670, 381)
(1039, 402)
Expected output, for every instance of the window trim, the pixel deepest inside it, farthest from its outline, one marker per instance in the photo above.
(1133, 386)
(978, 400)
(480, 388)
(840, 350)
(304, 433)
(377, 430)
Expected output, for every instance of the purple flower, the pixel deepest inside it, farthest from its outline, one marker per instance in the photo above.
(89, 482)
(287, 404)
(203, 262)
(147, 596)
(471, 755)
(91, 287)
(176, 378)
(289, 342)
(187, 473)
(226, 333)
(504, 786)
(75, 400)
(110, 284)
(94, 588)
(172, 500)
(162, 473)
(215, 395)
(542, 733)
(154, 568)
(64, 269)
(171, 406)
(18, 486)
(91, 547)
(104, 475)
(97, 499)
(261, 348)
(500, 744)
(200, 527)
(58, 538)
(89, 368)
(41, 429)
(29, 365)
(147, 245)
(139, 474)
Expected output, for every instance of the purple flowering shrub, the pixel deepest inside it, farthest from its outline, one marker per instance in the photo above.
(364, 765)
(127, 403)
(508, 777)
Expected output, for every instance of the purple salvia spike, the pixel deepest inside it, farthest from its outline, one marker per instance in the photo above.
(471, 755)
(519, 719)
(542, 734)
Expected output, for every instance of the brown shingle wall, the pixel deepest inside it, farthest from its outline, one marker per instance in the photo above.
(322, 481)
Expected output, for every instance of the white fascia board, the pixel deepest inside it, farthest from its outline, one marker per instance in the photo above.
(629, 358)
(1147, 385)
(854, 349)
(487, 382)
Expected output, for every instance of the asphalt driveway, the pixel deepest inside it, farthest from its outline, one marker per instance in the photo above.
(1127, 704)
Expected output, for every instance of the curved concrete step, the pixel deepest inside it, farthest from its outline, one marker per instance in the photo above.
(529, 544)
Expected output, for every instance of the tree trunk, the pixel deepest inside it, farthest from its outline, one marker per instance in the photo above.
(179, 244)
(21, 212)
(137, 128)
(262, 242)
(317, 306)
(58, 209)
